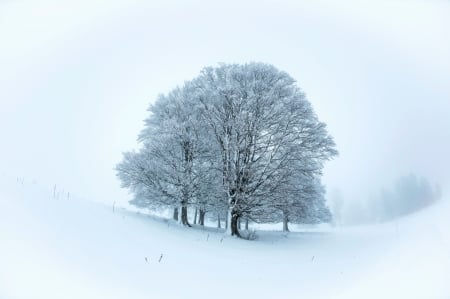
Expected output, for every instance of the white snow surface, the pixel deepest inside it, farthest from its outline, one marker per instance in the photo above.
(66, 247)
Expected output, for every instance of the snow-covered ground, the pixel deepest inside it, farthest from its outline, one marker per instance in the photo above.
(66, 247)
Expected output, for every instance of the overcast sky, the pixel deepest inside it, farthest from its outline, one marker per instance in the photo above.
(76, 80)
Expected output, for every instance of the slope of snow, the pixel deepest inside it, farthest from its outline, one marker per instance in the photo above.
(66, 247)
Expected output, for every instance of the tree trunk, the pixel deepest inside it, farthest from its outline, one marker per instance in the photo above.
(218, 221)
(239, 223)
(175, 214)
(184, 217)
(195, 216)
(226, 223)
(246, 224)
(285, 222)
(201, 219)
(234, 224)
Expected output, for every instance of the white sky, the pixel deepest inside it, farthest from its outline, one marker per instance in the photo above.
(76, 80)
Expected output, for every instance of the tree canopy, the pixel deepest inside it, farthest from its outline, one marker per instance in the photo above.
(237, 140)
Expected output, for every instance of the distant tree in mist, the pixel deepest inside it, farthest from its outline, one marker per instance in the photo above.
(238, 140)
(408, 194)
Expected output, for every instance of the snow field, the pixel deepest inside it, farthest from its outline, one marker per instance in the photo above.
(73, 248)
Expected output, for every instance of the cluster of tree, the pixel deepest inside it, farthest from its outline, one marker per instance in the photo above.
(409, 194)
(237, 142)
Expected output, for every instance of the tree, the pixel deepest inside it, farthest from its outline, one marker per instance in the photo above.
(234, 140)
(169, 163)
(262, 123)
(301, 200)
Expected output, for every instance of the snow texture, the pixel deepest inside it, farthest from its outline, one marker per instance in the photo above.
(55, 246)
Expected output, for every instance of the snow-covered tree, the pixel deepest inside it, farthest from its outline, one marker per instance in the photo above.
(300, 200)
(170, 160)
(262, 123)
(234, 140)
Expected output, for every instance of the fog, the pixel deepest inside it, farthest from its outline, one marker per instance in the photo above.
(76, 80)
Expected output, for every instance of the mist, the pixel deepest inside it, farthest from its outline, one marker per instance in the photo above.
(76, 81)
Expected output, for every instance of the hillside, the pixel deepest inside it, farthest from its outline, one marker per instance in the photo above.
(59, 246)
